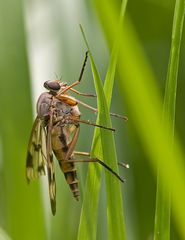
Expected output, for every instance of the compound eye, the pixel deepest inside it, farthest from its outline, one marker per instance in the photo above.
(53, 86)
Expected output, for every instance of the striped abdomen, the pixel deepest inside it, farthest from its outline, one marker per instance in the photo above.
(60, 140)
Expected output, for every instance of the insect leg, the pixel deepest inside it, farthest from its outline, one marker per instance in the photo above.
(80, 77)
(83, 66)
(96, 110)
(125, 165)
(121, 164)
(72, 144)
(82, 153)
(100, 162)
(93, 124)
(82, 94)
(72, 101)
(74, 119)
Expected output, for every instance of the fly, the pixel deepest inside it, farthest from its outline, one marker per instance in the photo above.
(56, 130)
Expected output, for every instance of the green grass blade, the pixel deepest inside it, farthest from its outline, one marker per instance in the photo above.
(116, 228)
(138, 85)
(21, 209)
(109, 80)
(171, 82)
(162, 214)
(88, 221)
(115, 209)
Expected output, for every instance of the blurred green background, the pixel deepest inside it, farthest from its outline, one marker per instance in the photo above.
(41, 40)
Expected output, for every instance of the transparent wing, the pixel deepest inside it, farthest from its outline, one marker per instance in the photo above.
(36, 154)
(50, 168)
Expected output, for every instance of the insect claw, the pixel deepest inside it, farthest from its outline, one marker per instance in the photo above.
(125, 118)
(92, 95)
(122, 179)
(125, 165)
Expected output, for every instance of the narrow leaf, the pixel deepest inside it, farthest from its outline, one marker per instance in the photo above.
(162, 214)
(115, 209)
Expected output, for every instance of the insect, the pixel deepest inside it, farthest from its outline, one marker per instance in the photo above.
(56, 130)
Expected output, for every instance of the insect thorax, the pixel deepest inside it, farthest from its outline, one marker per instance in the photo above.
(47, 100)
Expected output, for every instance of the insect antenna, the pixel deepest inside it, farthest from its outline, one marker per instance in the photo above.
(57, 77)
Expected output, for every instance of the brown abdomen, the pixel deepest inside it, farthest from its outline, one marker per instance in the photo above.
(60, 140)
